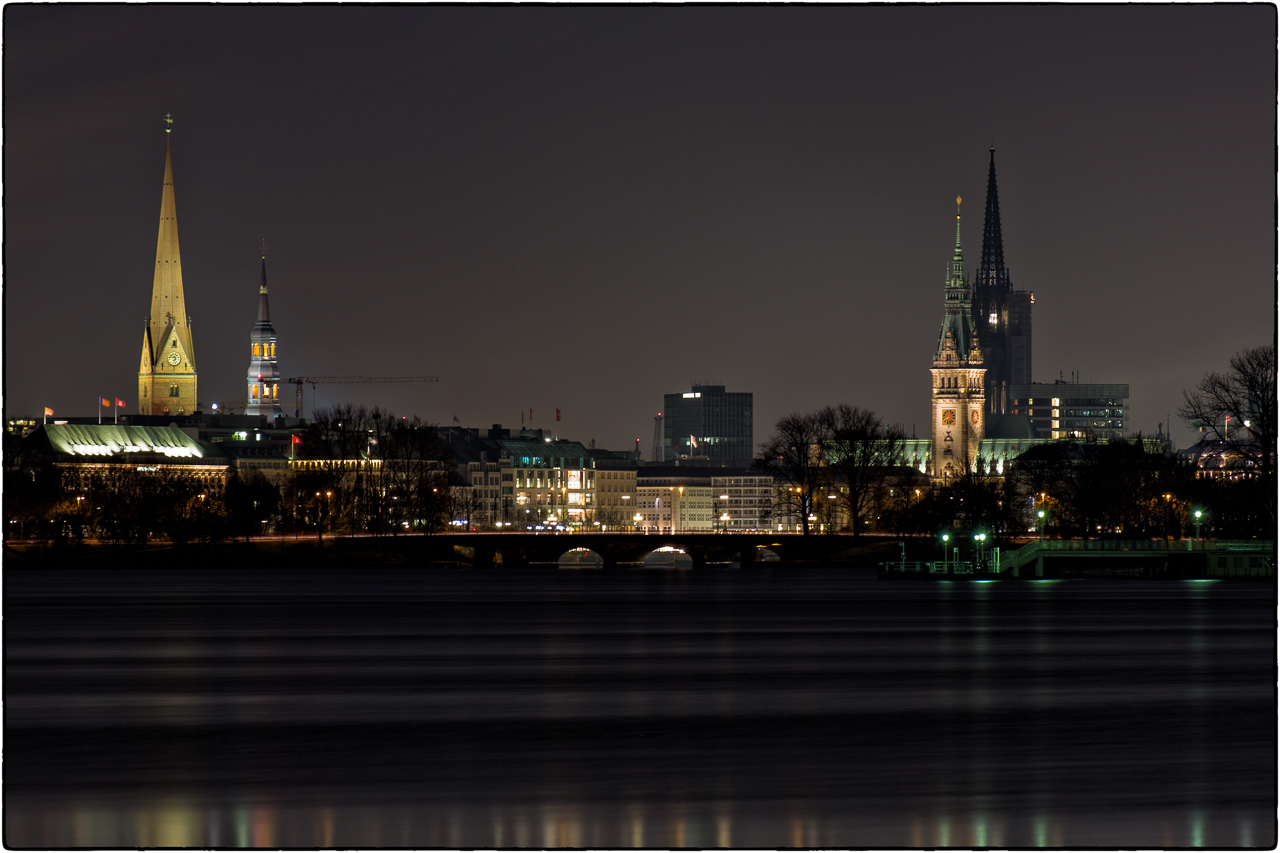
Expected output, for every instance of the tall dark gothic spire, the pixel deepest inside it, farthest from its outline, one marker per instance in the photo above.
(992, 273)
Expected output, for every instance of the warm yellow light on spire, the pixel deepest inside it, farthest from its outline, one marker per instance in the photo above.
(168, 119)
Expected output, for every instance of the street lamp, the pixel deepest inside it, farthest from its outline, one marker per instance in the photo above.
(1199, 521)
(946, 538)
(981, 539)
(1040, 516)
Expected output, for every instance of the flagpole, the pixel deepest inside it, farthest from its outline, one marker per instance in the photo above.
(116, 409)
(99, 410)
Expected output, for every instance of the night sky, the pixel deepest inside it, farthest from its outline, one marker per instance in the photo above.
(586, 208)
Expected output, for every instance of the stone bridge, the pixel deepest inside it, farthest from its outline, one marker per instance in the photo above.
(521, 549)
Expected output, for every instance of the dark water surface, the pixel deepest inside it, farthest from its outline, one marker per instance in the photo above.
(763, 707)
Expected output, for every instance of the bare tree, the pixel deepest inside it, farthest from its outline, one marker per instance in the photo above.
(417, 462)
(793, 456)
(862, 450)
(1237, 409)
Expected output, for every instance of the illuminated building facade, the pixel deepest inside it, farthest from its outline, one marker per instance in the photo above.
(959, 401)
(263, 383)
(1001, 316)
(708, 422)
(167, 373)
(670, 509)
(742, 499)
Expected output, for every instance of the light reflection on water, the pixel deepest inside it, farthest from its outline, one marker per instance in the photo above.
(172, 823)
(753, 708)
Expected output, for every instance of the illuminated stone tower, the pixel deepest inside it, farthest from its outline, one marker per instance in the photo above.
(264, 373)
(1001, 315)
(167, 374)
(959, 400)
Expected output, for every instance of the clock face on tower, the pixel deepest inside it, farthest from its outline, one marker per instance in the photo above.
(174, 358)
(949, 416)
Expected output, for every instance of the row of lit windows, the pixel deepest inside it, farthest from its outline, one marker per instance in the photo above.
(264, 391)
(263, 350)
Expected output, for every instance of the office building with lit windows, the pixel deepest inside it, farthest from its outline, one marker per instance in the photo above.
(1073, 410)
(707, 423)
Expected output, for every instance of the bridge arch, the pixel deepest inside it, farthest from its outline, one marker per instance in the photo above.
(581, 558)
(668, 557)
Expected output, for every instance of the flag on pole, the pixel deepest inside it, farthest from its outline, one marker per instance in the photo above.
(48, 412)
(119, 402)
(557, 415)
(455, 420)
(105, 401)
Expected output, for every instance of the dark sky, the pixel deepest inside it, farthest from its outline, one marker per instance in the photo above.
(587, 208)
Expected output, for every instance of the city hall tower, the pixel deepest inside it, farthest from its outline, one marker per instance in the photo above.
(959, 399)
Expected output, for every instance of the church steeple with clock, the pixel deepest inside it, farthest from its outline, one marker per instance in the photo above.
(167, 373)
(959, 401)
(264, 373)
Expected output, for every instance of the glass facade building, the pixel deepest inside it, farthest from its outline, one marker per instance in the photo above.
(707, 422)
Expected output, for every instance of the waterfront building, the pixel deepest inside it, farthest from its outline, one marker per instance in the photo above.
(615, 498)
(742, 499)
(1073, 410)
(167, 373)
(671, 509)
(959, 397)
(263, 381)
(542, 480)
(709, 422)
(1000, 315)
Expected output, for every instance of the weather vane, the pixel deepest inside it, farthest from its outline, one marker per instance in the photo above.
(169, 121)
(957, 207)
(264, 250)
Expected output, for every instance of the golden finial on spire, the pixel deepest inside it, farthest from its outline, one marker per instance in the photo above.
(168, 120)
(264, 250)
(957, 207)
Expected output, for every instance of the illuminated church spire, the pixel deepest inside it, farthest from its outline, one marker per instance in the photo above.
(167, 373)
(263, 382)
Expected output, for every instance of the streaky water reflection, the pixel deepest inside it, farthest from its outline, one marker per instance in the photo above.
(767, 707)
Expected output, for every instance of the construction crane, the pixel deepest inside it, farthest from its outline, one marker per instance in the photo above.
(657, 438)
(313, 381)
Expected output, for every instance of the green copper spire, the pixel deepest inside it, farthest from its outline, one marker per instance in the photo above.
(956, 335)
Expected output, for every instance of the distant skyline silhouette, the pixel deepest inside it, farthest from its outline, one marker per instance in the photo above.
(588, 208)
